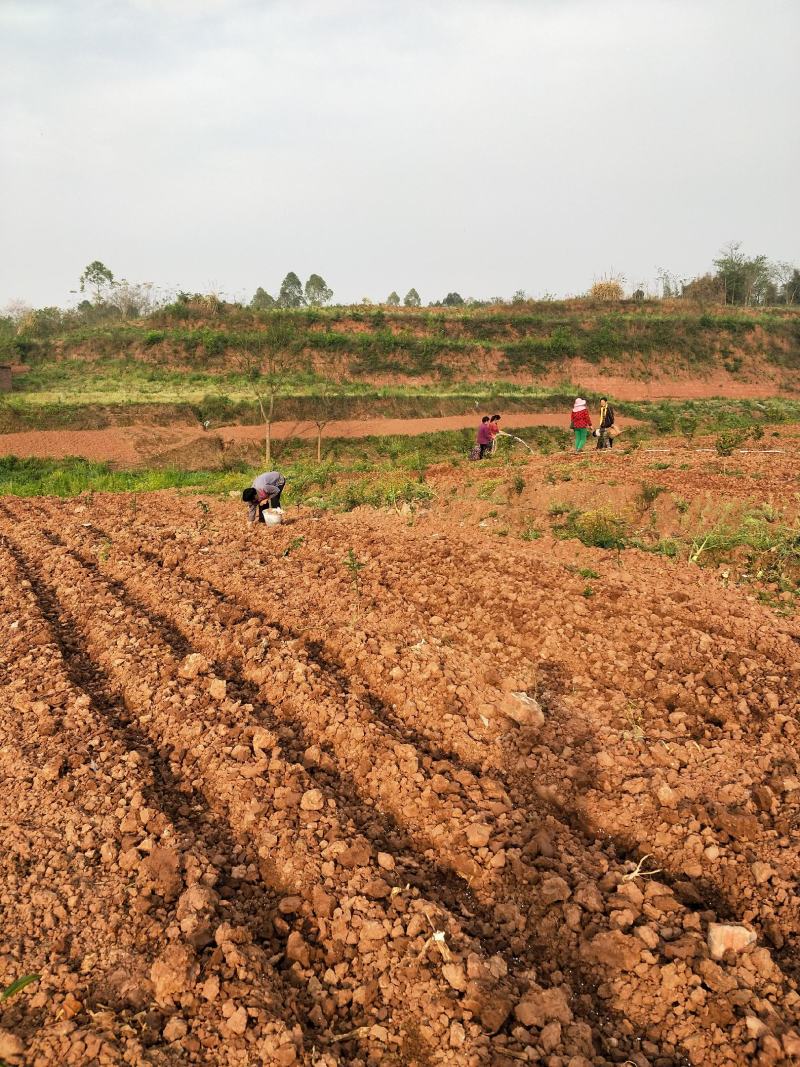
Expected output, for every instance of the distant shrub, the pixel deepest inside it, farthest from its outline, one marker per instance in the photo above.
(214, 343)
(727, 442)
(687, 424)
(607, 290)
(664, 420)
(23, 346)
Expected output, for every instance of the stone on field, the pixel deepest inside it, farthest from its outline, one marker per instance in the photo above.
(541, 1006)
(723, 938)
(11, 1048)
(614, 949)
(554, 889)
(524, 710)
(312, 800)
(478, 834)
(173, 972)
(193, 665)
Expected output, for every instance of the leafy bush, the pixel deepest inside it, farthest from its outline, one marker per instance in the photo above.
(687, 424)
(601, 529)
(664, 420)
(728, 441)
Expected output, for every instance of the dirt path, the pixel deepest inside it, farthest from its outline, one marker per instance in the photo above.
(130, 445)
(762, 382)
(387, 427)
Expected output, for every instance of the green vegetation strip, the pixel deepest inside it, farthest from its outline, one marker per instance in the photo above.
(417, 344)
(79, 404)
(317, 487)
(382, 470)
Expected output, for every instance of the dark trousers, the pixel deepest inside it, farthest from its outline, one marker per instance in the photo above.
(274, 502)
(485, 449)
(605, 440)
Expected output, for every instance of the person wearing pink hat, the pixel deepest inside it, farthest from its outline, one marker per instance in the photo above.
(581, 423)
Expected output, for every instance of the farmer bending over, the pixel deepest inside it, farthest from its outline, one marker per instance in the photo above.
(265, 492)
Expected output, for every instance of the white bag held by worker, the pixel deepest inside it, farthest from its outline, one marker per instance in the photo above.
(272, 516)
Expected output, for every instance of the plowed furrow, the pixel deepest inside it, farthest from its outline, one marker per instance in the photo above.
(193, 583)
(290, 698)
(179, 820)
(209, 636)
(201, 629)
(217, 772)
(708, 893)
(720, 885)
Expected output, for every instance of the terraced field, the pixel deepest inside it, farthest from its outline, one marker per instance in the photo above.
(431, 806)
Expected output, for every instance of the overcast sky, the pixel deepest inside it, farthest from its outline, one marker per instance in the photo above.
(476, 145)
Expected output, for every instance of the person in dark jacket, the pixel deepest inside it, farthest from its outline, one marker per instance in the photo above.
(265, 492)
(604, 438)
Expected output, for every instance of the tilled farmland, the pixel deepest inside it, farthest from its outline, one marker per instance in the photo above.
(431, 806)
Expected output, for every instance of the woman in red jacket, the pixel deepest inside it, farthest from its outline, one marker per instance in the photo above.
(581, 423)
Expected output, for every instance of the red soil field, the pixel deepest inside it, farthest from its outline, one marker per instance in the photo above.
(261, 809)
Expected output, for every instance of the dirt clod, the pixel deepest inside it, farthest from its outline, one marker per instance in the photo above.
(723, 938)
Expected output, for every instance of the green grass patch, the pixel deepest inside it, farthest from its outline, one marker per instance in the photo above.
(530, 533)
(72, 476)
(325, 486)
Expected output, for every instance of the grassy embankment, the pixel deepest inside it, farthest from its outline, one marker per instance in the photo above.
(418, 343)
(178, 365)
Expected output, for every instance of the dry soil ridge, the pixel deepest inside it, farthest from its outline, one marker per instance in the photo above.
(125, 604)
